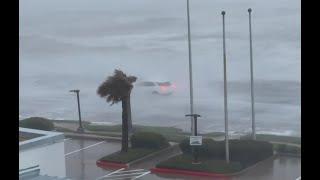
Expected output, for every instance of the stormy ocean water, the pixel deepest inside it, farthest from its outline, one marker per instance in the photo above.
(77, 43)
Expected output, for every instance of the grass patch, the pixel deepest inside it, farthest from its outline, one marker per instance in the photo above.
(214, 134)
(62, 129)
(184, 162)
(171, 133)
(105, 128)
(142, 144)
(275, 138)
(131, 155)
(138, 128)
(70, 121)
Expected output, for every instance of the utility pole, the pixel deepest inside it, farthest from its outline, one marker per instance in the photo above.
(252, 83)
(225, 90)
(80, 129)
(190, 67)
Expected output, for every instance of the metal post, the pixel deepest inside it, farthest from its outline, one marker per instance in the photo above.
(195, 133)
(225, 91)
(80, 129)
(195, 125)
(190, 67)
(252, 88)
(79, 111)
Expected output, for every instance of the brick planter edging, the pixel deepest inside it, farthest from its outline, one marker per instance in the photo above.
(185, 172)
(106, 164)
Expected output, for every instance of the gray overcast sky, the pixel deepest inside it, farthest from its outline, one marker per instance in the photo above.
(158, 28)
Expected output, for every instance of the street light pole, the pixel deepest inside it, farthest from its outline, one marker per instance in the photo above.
(80, 129)
(252, 89)
(195, 133)
(225, 90)
(190, 68)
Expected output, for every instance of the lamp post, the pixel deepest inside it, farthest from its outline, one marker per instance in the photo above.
(225, 90)
(190, 67)
(251, 77)
(80, 129)
(195, 133)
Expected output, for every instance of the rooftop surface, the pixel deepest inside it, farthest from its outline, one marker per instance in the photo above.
(32, 173)
(23, 136)
(30, 138)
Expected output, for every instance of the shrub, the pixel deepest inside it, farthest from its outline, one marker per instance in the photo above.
(203, 151)
(244, 151)
(148, 140)
(249, 151)
(37, 123)
(283, 148)
(293, 149)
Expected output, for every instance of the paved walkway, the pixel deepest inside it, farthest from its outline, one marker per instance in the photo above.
(125, 174)
(81, 156)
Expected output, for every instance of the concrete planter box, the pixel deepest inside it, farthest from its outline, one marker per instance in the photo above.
(199, 173)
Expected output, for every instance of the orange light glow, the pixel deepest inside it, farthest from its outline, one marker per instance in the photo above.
(163, 88)
(174, 86)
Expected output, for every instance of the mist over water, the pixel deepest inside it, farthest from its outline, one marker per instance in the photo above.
(78, 43)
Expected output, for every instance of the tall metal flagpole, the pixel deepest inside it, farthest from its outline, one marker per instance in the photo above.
(252, 89)
(225, 90)
(190, 68)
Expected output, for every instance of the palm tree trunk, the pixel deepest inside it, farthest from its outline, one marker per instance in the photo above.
(125, 142)
(130, 128)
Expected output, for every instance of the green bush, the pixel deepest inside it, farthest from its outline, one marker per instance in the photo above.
(148, 140)
(293, 149)
(209, 148)
(283, 148)
(245, 151)
(37, 123)
(249, 151)
(203, 151)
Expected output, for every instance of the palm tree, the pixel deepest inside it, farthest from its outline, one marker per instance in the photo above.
(117, 88)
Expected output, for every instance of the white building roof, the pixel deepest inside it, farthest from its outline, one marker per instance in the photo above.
(35, 138)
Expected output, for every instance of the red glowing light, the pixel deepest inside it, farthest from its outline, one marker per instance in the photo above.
(174, 86)
(163, 88)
